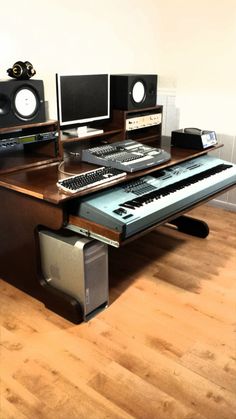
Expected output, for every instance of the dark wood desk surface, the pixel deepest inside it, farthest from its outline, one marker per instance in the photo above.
(30, 200)
(40, 182)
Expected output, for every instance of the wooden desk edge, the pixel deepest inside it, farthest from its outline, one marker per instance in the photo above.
(50, 193)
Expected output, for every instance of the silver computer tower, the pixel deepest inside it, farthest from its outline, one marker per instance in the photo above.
(78, 266)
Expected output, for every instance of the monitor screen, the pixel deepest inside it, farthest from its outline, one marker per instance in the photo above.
(82, 98)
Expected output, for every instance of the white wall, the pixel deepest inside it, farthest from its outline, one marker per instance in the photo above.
(190, 44)
(197, 68)
(197, 56)
(79, 36)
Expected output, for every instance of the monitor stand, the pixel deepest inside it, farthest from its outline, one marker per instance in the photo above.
(83, 131)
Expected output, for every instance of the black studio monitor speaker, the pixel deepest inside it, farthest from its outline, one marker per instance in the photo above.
(21, 102)
(133, 91)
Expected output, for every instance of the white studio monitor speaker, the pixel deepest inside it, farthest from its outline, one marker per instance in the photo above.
(77, 266)
(21, 102)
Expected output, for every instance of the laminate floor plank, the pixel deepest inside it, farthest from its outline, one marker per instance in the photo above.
(165, 348)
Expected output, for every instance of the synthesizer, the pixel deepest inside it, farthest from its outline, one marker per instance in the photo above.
(127, 155)
(136, 205)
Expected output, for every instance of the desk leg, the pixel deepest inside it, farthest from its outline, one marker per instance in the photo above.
(191, 226)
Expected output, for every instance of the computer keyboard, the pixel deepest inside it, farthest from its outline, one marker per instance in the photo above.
(86, 180)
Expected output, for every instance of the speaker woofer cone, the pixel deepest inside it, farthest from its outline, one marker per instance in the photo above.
(26, 103)
(5, 104)
(138, 92)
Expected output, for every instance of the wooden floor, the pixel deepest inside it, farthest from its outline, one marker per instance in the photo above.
(164, 349)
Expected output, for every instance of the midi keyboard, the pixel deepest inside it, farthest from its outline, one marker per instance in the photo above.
(136, 205)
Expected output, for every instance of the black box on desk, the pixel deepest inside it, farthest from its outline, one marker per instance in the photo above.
(193, 138)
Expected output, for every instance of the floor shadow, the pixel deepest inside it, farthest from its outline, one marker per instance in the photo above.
(130, 261)
(165, 255)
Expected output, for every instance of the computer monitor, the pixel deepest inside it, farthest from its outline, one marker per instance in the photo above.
(82, 99)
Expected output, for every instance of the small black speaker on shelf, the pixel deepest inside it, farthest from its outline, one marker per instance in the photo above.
(21, 102)
(133, 91)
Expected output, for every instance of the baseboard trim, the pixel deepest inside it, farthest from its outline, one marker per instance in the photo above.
(222, 204)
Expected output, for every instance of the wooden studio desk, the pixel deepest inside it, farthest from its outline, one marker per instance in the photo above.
(30, 201)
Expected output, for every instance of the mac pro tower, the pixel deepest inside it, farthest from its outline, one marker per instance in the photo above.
(77, 266)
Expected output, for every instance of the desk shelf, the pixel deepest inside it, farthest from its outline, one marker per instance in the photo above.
(116, 130)
(12, 162)
(14, 157)
(114, 134)
(143, 132)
